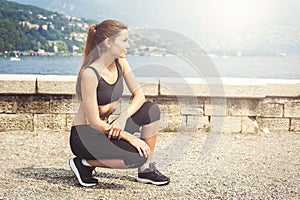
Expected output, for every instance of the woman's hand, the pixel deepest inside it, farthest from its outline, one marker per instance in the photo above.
(114, 131)
(140, 145)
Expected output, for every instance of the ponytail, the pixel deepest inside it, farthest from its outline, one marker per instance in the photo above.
(90, 42)
(87, 58)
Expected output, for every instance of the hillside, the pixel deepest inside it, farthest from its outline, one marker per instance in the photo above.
(29, 28)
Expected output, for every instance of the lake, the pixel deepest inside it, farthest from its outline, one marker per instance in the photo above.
(169, 66)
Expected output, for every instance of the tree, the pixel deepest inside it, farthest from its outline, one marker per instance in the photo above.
(15, 36)
(61, 47)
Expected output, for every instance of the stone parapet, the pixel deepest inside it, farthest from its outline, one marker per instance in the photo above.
(166, 86)
(36, 102)
(53, 84)
(18, 84)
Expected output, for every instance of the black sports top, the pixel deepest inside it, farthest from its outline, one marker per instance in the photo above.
(106, 92)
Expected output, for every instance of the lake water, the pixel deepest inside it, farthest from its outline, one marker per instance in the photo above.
(170, 66)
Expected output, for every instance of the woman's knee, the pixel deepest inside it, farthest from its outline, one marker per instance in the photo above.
(153, 111)
(149, 112)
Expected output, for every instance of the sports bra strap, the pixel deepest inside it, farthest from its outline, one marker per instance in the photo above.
(96, 72)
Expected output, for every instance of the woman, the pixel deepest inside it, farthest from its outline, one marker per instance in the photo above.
(96, 141)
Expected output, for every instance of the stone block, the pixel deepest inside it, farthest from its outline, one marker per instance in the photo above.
(191, 100)
(53, 122)
(243, 88)
(180, 105)
(249, 125)
(196, 123)
(52, 84)
(172, 123)
(226, 124)
(191, 105)
(183, 87)
(235, 88)
(282, 88)
(168, 105)
(149, 86)
(273, 124)
(69, 121)
(295, 124)
(17, 84)
(276, 100)
(215, 107)
(33, 104)
(243, 107)
(213, 87)
(8, 104)
(292, 109)
(63, 104)
(169, 108)
(271, 110)
(194, 110)
(12, 122)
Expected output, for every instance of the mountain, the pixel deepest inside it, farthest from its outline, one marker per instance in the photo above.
(255, 27)
(93, 9)
(30, 28)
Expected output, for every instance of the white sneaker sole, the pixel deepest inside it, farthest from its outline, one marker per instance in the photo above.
(76, 172)
(143, 180)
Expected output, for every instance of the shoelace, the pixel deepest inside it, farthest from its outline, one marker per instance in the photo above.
(154, 169)
(94, 172)
(158, 173)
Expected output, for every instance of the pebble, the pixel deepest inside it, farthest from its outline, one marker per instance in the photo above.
(243, 167)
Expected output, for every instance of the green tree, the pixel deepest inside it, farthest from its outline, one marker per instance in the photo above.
(16, 36)
(61, 47)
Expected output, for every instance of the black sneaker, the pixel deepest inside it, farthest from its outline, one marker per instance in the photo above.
(82, 173)
(152, 175)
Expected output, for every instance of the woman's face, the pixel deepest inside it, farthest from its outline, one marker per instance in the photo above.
(120, 45)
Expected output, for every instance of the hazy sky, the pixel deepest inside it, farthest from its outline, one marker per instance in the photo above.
(197, 19)
(204, 12)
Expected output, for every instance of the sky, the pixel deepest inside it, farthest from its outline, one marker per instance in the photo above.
(201, 20)
(178, 14)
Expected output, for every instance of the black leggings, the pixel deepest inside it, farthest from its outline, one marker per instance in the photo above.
(92, 144)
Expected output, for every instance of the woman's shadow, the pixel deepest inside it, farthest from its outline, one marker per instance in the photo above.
(63, 176)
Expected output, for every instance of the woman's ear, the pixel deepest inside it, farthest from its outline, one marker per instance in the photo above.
(106, 43)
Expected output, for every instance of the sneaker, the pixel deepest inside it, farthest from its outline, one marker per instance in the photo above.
(82, 173)
(153, 176)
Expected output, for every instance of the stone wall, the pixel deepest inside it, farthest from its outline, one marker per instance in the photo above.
(37, 103)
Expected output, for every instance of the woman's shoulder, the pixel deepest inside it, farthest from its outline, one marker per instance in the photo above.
(123, 64)
(89, 73)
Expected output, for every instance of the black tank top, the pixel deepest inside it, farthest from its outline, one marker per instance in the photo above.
(106, 92)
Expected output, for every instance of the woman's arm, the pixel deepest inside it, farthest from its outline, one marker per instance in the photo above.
(136, 91)
(89, 84)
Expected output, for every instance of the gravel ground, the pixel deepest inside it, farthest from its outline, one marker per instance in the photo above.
(201, 166)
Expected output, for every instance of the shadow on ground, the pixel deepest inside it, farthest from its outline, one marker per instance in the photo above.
(63, 176)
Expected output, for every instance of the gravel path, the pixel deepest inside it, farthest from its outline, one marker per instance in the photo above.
(231, 166)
